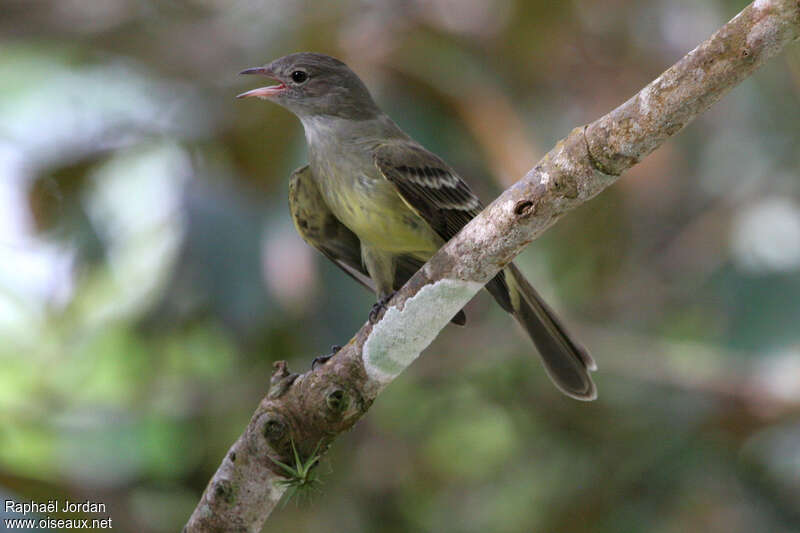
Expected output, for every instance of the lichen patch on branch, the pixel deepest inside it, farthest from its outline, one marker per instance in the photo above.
(398, 339)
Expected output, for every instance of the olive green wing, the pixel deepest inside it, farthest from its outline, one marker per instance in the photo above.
(428, 186)
(436, 193)
(321, 229)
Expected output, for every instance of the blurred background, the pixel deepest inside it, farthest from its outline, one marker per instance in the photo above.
(150, 274)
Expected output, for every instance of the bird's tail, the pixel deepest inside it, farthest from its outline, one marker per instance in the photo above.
(567, 362)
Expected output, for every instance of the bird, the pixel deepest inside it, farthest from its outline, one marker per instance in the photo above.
(378, 204)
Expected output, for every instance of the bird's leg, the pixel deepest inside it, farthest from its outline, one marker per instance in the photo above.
(379, 306)
(381, 268)
(322, 359)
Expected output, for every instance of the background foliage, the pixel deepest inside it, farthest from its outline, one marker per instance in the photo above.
(150, 275)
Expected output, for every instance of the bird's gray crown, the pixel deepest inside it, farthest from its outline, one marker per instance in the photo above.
(326, 87)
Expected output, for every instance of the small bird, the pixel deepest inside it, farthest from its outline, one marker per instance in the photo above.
(379, 205)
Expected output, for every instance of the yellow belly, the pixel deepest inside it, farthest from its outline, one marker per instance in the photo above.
(381, 219)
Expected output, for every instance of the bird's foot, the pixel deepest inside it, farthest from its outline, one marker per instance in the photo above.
(322, 359)
(379, 306)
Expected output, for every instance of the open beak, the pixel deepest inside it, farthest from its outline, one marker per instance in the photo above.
(262, 92)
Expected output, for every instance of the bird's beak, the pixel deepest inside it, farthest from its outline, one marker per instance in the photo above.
(262, 92)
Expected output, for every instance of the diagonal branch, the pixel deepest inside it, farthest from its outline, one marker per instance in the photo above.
(309, 410)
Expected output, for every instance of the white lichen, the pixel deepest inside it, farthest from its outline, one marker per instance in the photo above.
(545, 179)
(644, 99)
(398, 339)
(762, 4)
(765, 33)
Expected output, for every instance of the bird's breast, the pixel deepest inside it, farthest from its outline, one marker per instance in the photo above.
(370, 206)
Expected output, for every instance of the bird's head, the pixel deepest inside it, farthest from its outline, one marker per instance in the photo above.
(312, 84)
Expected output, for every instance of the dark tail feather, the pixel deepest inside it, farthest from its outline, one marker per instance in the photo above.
(566, 362)
(460, 319)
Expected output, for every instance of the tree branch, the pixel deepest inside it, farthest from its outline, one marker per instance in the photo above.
(307, 411)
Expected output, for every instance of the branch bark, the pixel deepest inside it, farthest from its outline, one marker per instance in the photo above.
(307, 411)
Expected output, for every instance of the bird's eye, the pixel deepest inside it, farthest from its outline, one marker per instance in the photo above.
(298, 76)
